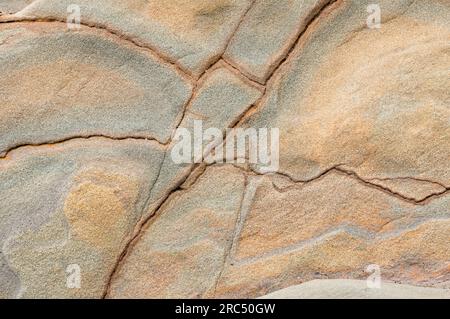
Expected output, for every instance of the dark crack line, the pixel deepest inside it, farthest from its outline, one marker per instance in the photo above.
(314, 17)
(235, 70)
(5, 153)
(144, 223)
(219, 56)
(158, 55)
(231, 243)
(139, 224)
(409, 178)
(339, 169)
(423, 201)
(353, 230)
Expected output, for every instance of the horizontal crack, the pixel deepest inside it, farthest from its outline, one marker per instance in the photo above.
(5, 154)
(338, 168)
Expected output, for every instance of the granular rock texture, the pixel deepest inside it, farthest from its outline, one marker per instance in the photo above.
(89, 122)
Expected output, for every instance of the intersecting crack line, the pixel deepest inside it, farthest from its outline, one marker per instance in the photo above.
(219, 56)
(145, 223)
(338, 168)
(243, 117)
(312, 16)
(335, 168)
(315, 18)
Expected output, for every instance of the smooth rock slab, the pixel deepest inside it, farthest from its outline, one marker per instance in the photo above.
(355, 289)
(191, 33)
(73, 203)
(83, 83)
(333, 227)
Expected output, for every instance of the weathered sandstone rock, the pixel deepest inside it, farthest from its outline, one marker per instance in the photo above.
(82, 84)
(66, 204)
(88, 181)
(269, 30)
(192, 34)
(372, 101)
(181, 253)
(334, 227)
(220, 101)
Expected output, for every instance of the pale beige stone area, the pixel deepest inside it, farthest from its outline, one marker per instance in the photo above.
(354, 289)
(70, 204)
(192, 34)
(374, 102)
(181, 253)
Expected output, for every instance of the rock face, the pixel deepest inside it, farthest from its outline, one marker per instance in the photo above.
(93, 203)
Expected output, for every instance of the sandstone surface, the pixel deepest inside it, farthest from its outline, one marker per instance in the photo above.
(93, 203)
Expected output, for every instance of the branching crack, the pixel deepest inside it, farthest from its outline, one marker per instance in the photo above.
(396, 194)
